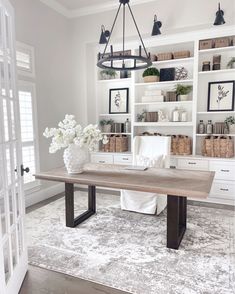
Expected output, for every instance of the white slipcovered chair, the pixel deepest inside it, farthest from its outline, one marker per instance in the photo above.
(151, 151)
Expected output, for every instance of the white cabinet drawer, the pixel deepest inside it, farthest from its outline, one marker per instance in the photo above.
(224, 170)
(100, 158)
(193, 164)
(223, 189)
(122, 159)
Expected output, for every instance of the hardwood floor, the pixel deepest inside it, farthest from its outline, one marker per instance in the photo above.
(41, 281)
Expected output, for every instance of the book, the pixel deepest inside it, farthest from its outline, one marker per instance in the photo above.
(153, 92)
(147, 99)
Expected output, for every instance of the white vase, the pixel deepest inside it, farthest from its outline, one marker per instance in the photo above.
(75, 158)
(183, 97)
(231, 129)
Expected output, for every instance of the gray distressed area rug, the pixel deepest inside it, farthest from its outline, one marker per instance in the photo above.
(127, 250)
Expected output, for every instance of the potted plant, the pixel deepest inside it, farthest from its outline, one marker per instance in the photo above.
(231, 63)
(106, 125)
(230, 121)
(151, 75)
(142, 116)
(182, 92)
(107, 74)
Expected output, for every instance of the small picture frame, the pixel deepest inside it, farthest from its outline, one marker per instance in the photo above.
(221, 96)
(118, 100)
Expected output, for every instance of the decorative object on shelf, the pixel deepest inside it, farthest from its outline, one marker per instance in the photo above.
(107, 74)
(104, 35)
(118, 127)
(164, 56)
(219, 19)
(139, 61)
(209, 127)
(171, 96)
(232, 41)
(181, 54)
(220, 128)
(181, 73)
(151, 75)
(205, 44)
(176, 115)
(216, 62)
(231, 63)
(230, 122)
(76, 142)
(106, 125)
(183, 92)
(153, 57)
(167, 74)
(206, 66)
(124, 74)
(221, 96)
(151, 116)
(201, 127)
(127, 126)
(156, 27)
(118, 100)
(221, 42)
(184, 116)
(181, 145)
(141, 116)
(162, 116)
(218, 146)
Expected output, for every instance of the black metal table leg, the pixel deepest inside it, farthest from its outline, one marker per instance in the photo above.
(176, 220)
(69, 205)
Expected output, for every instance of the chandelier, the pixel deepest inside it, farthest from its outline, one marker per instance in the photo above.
(124, 60)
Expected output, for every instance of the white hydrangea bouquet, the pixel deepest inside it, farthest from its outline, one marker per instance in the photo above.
(75, 140)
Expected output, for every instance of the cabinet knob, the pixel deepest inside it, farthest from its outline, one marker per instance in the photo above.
(225, 170)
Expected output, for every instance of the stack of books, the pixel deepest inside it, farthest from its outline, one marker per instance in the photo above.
(153, 96)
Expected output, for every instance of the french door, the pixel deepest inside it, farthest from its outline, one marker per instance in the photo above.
(13, 253)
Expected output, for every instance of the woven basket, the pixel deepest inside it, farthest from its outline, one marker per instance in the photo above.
(164, 56)
(181, 54)
(222, 147)
(205, 44)
(222, 42)
(121, 144)
(181, 145)
(112, 144)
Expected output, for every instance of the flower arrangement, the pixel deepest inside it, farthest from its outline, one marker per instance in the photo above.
(230, 120)
(69, 132)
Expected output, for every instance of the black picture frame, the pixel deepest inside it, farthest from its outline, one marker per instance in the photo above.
(214, 99)
(123, 94)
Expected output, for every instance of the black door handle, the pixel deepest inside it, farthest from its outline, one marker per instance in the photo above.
(23, 170)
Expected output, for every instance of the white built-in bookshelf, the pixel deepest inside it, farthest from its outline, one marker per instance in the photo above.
(196, 106)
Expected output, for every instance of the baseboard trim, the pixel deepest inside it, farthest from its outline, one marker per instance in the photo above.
(43, 194)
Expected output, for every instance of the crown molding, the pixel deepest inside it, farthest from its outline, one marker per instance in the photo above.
(88, 10)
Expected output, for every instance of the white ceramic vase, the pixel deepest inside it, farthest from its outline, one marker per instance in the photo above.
(183, 97)
(231, 129)
(75, 158)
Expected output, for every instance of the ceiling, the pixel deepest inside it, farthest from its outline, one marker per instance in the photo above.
(77, 8)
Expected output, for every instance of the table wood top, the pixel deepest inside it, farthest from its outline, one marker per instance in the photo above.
(187, 183)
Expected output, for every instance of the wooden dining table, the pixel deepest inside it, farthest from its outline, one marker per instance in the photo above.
(177, 185)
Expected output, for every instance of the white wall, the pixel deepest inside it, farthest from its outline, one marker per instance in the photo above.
(176, 15)
(49, 33)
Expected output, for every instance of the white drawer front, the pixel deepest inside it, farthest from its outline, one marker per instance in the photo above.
(193, 164)
(224, 170)
(100, 158)
(123, 159)
(225, 190)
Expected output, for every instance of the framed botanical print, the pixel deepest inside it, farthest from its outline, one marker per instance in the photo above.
(221, 96)
(118, 100)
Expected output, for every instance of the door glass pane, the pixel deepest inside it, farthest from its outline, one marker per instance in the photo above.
(29, 161)
(14, 248)
(3, 214)
(26, 116)
(6, 128)
(20, 236)
(6, 256)
(7, 33)
(11, 206)
(8, 162)
(13, 120)
(2, 76)
(18, 203)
